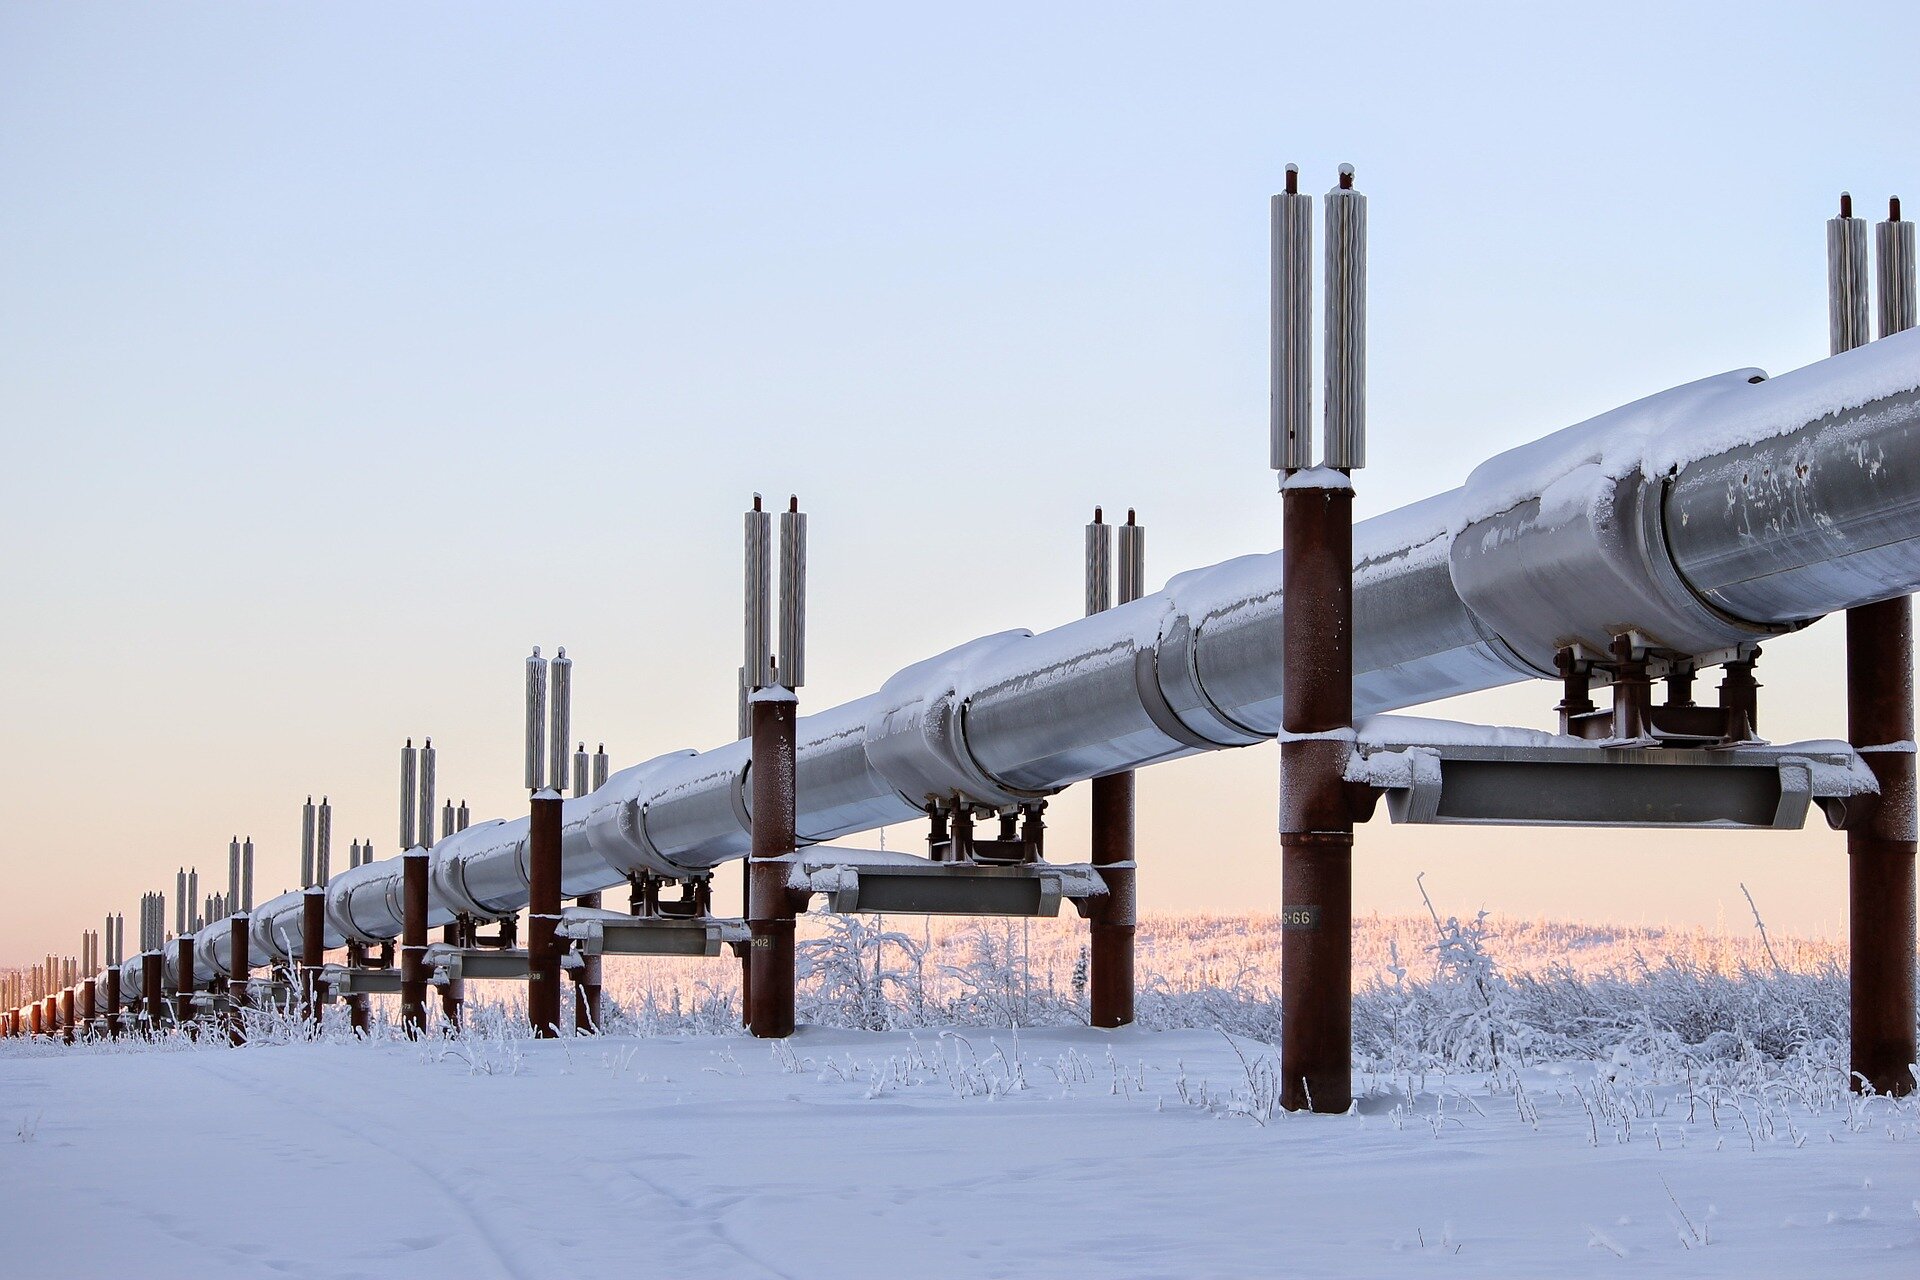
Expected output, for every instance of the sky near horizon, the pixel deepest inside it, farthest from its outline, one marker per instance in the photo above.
(347, 351)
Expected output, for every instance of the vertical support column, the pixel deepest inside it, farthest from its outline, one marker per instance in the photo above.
(359, 1012)
(113, 1001)
(1880, 721)
(543, 915)
(413, 941)
(183, 981)
(313, 953)
(1316, 823)
(239, 973)
(1112, 916)
(773, 711)
(770, 915)
(152, 997)
(586, 985)
(66, 1015)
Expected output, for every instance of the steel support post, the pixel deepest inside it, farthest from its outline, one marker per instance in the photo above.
(152, 998)
(770, 912)
(1880, 846)
(88, 1009)
(313, 953)
(453, 994)
(239, 970)
(543, 916)
(66, 1015)
(586, 986)
(1316, 823)
(413, 942)
(1111, 916)
(359, 1014)
(183, 983)
(113, 1001)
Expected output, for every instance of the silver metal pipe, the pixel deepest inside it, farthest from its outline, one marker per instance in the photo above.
(1847, 279)
(193, 899)
(599, 774)
(536, 734)
(307, 829)
(246, 874)
(1132, 561)
(758, 660)
(323, 842)
(793, 596)
(1894, 271)
(1290, 337)
(580, 770)
(233, 869)
(1196, 666)
(1345, 446)
(180, 901)
(424, 831)
(560, 678)
(409, 788)
(1099, 564)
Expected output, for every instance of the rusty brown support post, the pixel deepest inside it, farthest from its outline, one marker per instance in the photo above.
(66, 1015)
(1112, 915)
(113, 1001)
(453, 991)
(1880, 846)
(239, 972)
(88, 1007)
(313, 953)
(359, 1015)
(586, 987)
(543, 915)
(746, 952)
(33, 1018)
(413, 942)
(183, 981)
(1316, 824)
(772, 713)
(152, 998)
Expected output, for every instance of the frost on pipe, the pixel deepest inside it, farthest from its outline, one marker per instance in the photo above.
(1722, 510)
(1807, 501)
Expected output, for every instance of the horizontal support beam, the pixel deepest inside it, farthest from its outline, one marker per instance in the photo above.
(859, 881)
(613, 934)
(1747, 788)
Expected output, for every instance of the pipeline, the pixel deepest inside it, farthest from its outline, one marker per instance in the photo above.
(1704, 518)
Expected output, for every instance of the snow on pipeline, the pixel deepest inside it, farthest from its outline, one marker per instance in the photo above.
(1592, 1114)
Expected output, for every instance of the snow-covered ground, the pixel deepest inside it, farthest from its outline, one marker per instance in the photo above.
(925, 1153)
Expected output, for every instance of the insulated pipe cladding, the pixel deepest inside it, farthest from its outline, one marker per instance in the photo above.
(1708, 516)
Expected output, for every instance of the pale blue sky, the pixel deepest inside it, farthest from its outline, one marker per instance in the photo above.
(347, 350)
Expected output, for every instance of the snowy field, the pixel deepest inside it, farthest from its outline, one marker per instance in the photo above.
(1538, 1100)
(1065, 1152)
